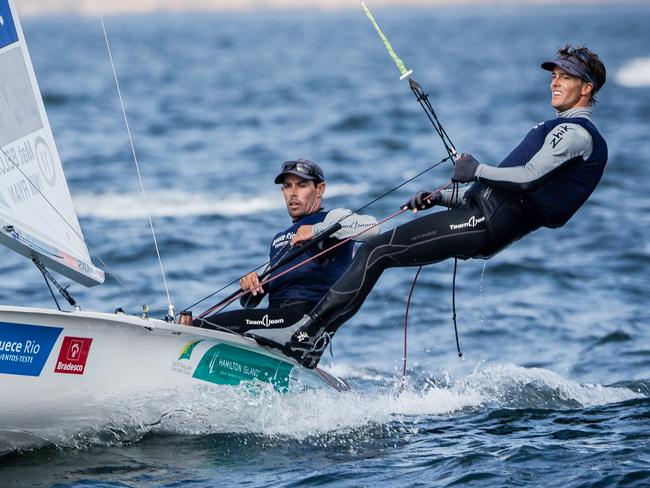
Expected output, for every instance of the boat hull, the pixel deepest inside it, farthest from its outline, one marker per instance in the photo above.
(51, 361)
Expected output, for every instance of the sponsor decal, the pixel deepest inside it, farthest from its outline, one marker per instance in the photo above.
(281, 241)
(24, 349)
(223, 364)
(559, 133)
(45, 160)
(302, 336)
(8, 34)
(183, 364)
(265, 321)
(424, 236)
(355, 224)
(73, 355)
(186, 352)
(472, 222)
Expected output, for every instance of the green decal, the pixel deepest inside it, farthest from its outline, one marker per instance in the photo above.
(228, 365)
(186, 352)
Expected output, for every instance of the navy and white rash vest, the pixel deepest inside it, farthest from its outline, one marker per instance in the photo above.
(311, 281)
(554, 169)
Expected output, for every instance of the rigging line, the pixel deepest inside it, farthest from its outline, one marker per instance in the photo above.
(62, 289)
(455, 190)
(298, 265)
(290, 256)
(50, 288)
(117, 278)
(44, 197)
(421, 96)
(360, 209)
(65, 221)
(406, 320)
(423, 99)
(223, 287)
(311, 258)
(135, 157)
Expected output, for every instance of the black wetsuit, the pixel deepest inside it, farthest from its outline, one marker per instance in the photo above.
(542, 182)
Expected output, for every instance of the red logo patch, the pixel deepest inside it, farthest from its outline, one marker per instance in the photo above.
(73, 355)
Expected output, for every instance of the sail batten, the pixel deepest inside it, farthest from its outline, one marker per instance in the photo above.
(37, 216)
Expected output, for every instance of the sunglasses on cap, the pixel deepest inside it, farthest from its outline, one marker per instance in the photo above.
(303, 168)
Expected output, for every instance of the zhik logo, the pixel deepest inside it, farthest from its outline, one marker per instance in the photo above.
(302, 336)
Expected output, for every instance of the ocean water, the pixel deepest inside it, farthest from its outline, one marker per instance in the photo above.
(554, 384)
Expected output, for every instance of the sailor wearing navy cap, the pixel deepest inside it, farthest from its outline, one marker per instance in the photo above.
(541, 183)
(296, 292)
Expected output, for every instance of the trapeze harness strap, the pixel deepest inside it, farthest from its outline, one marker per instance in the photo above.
(311, 281)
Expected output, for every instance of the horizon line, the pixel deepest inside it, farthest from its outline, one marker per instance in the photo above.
(135, 7)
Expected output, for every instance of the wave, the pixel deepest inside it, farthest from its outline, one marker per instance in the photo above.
(518, 387)
(208, 409)
(129, 206)
(634, 73)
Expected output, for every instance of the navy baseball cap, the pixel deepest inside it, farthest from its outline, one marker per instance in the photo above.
(575, 66)
(302, 167)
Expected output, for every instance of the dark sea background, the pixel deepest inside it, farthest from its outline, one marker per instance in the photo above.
(553, 388)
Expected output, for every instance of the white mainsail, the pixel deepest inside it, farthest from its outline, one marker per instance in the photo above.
(37, 217)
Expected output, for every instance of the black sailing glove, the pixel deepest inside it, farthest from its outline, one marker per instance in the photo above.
(423, 200)
(465, 168)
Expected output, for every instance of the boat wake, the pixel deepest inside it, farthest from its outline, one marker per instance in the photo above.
(206, 410)
(129, 206)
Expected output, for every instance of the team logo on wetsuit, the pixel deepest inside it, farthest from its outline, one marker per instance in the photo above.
(265, 322)
(281, 241)
(559, 133)
(472, 222)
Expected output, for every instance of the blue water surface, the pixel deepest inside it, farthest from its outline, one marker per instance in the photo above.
(554, 384)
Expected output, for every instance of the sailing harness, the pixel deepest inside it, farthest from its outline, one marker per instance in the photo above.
(289, 255)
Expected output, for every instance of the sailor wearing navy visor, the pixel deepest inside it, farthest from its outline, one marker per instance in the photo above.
(541, 183)
(295, 293)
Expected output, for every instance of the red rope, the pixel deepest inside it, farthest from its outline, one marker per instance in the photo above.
(305, 261)
(406, 320)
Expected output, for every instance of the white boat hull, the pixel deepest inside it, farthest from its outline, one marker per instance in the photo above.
(51, 361)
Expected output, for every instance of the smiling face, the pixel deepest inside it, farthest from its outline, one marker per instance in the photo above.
(569, 91)
(303, 197)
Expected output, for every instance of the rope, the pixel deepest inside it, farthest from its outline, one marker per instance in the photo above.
(406, 320)
(311, 258)
(72, 228)
(135, 157)
(287, 246)
(117, 278)
(453, 308)
(68, 224)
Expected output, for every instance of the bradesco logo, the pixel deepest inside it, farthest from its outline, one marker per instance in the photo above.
(25, 348)
(73, 355)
